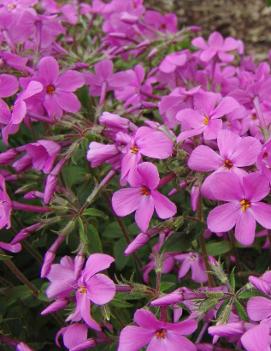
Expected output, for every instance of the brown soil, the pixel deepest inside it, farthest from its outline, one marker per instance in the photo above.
(249, 20)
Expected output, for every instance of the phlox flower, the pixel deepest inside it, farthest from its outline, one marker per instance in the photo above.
(262, 283)
(234, 152)
(243, 208)
(75, 337)
(217, 46)
(158, 335)
(58, 89)
(205, 117)
(194, 262)
(257, 338)
(143, 197)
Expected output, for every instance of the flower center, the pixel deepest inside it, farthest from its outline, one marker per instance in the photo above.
(205, 120)
(245, 204)
(50, 89)
(82, 290)
(11, 6)
(145, 191)
(228, 164)
(161, 334)
(134, 149)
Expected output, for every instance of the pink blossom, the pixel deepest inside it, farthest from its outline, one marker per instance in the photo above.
(158, 335)
(243, 208)
(75, 337)
(205, 118)
(5, 205)
(143, 197)
(216, 45)
(194, 262)
(58, 89)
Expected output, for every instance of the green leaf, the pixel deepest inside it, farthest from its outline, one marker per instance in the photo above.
(217, 248)
(178, 242)
(93, 212)
(241, 310)
(120, 259)
(89, 236)
(232, 279)
(208, 304)
(224, 311)
(246, 294)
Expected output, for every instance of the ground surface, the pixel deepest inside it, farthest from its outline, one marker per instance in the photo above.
(249, 20)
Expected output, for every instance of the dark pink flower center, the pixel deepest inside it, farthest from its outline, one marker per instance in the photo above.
(228, 164)
(134, 149)
(161, 333)
(50, 89)
(145, 191)
(245, 204)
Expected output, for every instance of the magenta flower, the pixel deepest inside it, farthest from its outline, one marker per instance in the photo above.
(217, 46)
(158, 335)
(59, 88)
(172, 61)
(259, 308)
(262, 283)
(5, 205)
(234, 152)
(93, 287)
(75, 337)
(243, 207)
(8, 85)
(205, 118)
(146, 141)
(143, 197)
(41, 155)
(194, 262)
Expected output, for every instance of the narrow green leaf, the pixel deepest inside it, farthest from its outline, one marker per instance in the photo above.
(241, 310)
(217, 248)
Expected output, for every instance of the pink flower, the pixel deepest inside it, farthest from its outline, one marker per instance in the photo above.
(262, 283)
(257, 338)
(5, 205)
(146, 141)
(93, 287)
(58, 88)
(75, 337)
(172, 61)
(194, 262)
(158, 335)
(205, 118)
(8, 85)
(243, 207)
(216, 45)
(143, 197)
(40, 155)
(234, 152)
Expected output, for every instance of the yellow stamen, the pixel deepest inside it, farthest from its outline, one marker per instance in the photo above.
(245, 204)
(82, 290)
(134, 149)
(205, 120)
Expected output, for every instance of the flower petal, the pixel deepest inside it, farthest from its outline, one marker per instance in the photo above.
(256, 186)
(97, 262)
(126, 201)
(257, 338)
(245, 228)
(223, 218)
(262, 214)
(144, 212)
(163, 206)
(67, 101)
(226, 186)
(134, 338)
(204, 159)
(48, 69)
(70, 81)
(101, 289)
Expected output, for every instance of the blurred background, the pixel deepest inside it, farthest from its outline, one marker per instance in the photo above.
(249, 20)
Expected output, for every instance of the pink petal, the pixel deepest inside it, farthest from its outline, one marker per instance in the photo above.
(223, 218)
(133, 338)
(67, 101)
(208, 54)
(256, 186)
(8, 85)
(83, 304)
(205, 102)
(70, 81)
(75, 334)
(188, 134)
(126, 201)
(32, 89)
(104, 69)
(147, 175)
(204, 159)
(226, 186)
(259, 308)
(96, 263)
(48, 69)
(227, 142)
(212, 129)
(247, 152)
(230, 44)
(153, 143)
(216, 40)
(146, 319)
(185, 327)
(19, 112)
(199, 42)
(257, 338)
(226, 105)
(184, 268)
(144, 212)
(262, 214)
(51, 106)
(101, 289)
(190, 118)
(163, 206)
(245, 228)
